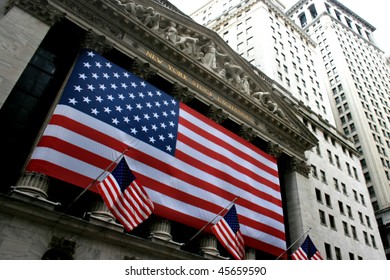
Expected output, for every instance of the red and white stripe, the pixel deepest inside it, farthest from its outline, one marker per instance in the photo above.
(211, 167)
(301, 255)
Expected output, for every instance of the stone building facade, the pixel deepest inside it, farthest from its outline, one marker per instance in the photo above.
(155, 41)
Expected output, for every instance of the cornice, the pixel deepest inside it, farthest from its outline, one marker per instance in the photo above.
(39, 9)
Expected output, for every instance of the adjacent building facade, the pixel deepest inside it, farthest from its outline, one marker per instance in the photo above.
(287, 49)
(358, 85)
(321, 181)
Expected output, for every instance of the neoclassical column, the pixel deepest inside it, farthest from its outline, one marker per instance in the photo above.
(160, 232)
(100, 215)
(161, 229)
(208, 245)
(33, 187)
(250, 254)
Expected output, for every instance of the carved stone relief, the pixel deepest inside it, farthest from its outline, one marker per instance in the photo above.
(217, 114)
(200, 49)
(274, 150)
(182, 93)
(299, 166)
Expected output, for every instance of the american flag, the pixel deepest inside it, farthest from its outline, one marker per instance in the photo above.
(125, 197)
(307, 251)
(188, 164)
(228, 232)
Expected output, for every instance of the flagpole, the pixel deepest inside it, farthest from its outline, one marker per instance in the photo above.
(97, 178)
(196, 234)
(293, 244)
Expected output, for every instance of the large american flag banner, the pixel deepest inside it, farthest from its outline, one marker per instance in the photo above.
(189, 165)
(228, 232)
(307, 251)
(125, 196)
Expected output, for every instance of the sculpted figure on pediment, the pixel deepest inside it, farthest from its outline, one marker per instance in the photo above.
(171, 33)
(265, 100)
(233, 74)
(210, 55)
(146, 15)
(244, 86)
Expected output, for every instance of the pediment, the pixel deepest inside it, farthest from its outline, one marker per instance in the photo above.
(193, 57)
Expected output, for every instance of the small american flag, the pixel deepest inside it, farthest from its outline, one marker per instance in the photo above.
(125, 197)
(307, 251)
(227, 230)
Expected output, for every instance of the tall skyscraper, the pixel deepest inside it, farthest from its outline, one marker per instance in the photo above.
(315, 50)
(358, 86)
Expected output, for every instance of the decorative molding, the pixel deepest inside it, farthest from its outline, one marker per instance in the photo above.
(96, 42)
(217, 114)
(143, 70)
(274, 150)
(299, 166)
(40, 9)
(182, 93)
(247, 133)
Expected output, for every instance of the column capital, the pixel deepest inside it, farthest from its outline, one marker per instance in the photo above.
(96, 42)
(217, 114)
(299, 166)
(247, 133)
(33, 187)
(274, 150)
(142, 69)
(182, 93)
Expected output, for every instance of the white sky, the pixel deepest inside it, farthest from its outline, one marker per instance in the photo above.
(375, 12)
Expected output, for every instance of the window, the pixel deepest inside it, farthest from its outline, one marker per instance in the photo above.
(373, 242)
(355, 195)
(322, 217)
(314, 171)
(366, 238)
(345, 227)
(362, 200)
(328, 251)
(344, 187)
(354, 234)
(368, 222)
(328, 201)
(341, 207)
(336, 184)
(323, 176)
(337, 161)
(349, 212)
(332, 222)
(302, 19)
(361, 218)
(330, 157)
(351, 256)
(338, 253)
(318, 195)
